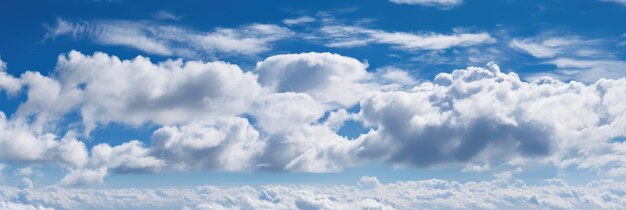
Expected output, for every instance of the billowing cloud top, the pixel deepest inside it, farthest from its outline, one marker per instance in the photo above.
(477, 116)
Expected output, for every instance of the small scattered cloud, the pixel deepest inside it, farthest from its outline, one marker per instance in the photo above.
(299, 21)
(445, 4)
(165, 15)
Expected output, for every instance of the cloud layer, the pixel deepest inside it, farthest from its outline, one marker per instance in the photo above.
(368, 194)
(284, 115)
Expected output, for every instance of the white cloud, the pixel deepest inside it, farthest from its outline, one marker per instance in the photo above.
(476, 168)
(83, 177)
(508, 174)
(354, 36)
(425, 194)
(299, 20)
(126, 157)
(226, 145)
(3, 65)
(623, 2)
(169, 40)
(470, 116)
(552, 46)
(434, 3)
(138, 91)
(27, 183)
(8, 83)
(165, 15)
(575, 58)
(483, 115)
(393, 78)
(285, 112)
(587, 70)
(19, 143)
(369, 182)
(26, 171)
(329, 78)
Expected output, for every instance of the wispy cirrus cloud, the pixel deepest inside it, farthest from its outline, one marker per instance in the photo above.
(550, 46)
(622, 2)
(165, 15)
(431, 3)
(575, 57)
(299, 20)
(343, 36)
(169, 40)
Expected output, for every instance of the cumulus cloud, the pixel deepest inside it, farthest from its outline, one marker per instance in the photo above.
(229, 145)
(127, 157)
(329, 78)
(343, 36)
(286, 112)
(481, 115)
(284, 115)
(26, 171)
(138, 91)
(433, 3)
(169, 40)
(425, 194)
(8, 83)
(20, 143)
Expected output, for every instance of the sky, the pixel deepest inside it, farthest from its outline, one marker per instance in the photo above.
(283, 104)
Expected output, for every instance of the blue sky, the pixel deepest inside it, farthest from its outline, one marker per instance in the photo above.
(151, 94)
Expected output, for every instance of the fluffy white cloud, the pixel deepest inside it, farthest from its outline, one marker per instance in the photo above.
(227, 144)
(329, 78)
(285, 115)
(19, 143)
(285, 112)
(354, 36)
(370, 194)
(436, 3)
(46, 100)
(138, 91)
(168, 40)
(8, 83)
(127, 157)
(482, 115)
